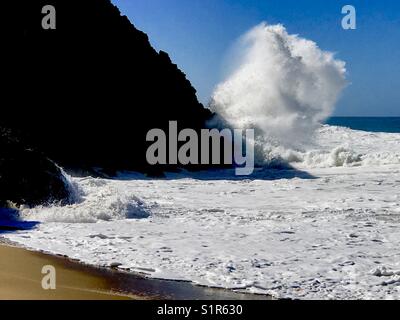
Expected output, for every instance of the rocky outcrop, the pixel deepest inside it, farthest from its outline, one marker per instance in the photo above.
(87, 93)
(83, 95)
(27, 177)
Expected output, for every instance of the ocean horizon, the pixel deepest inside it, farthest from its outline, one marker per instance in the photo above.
(371, 124)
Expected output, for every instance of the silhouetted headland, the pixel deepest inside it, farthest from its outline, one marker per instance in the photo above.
(84, 95)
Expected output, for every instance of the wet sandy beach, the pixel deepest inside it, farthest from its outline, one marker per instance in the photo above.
(21, 279)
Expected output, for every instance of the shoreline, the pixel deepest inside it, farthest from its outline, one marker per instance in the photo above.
(20, 279)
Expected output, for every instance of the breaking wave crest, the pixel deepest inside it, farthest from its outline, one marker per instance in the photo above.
(98, 200)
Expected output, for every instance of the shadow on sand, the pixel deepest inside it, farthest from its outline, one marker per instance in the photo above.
(9, 221)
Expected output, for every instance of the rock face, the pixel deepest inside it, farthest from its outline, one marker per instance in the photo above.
(84, 95)
(26, 176)
(87, 93)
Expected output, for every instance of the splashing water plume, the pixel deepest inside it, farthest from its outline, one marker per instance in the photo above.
(282, 85)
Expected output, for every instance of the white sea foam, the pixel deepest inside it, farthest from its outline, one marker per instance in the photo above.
(97, 200)
(330, 235)
(319, 238)
(339, 146)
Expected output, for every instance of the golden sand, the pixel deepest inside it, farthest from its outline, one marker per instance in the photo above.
(21, 278)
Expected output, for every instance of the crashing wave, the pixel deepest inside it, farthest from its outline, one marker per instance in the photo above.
(99, 200)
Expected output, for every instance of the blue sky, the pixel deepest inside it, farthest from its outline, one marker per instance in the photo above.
(199, 33)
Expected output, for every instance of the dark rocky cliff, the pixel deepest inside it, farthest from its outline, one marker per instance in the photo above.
(27, 177)
(83, 95)
(87, 93)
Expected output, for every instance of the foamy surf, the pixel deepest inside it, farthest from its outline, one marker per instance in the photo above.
(311, 238)
(341, 147)
(98, 200)
(107, 200)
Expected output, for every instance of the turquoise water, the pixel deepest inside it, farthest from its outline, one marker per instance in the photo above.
(373, 124)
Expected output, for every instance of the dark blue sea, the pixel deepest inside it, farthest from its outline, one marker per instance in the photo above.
(373, 124)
